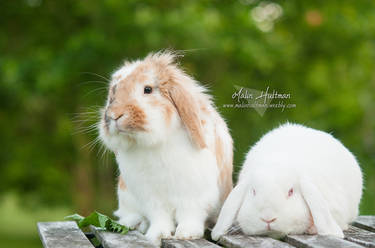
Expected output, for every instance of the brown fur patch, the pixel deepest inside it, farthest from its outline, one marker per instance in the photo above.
(226, 178)
(136, 119)
(168, 114)
(138, 74)
(121, 183)
(125, 87)
(219, 150)
(225, 167)
(189, 112)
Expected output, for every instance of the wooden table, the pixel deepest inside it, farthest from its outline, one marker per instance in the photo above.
(67, 234)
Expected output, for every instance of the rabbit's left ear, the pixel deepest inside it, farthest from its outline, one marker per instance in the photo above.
(229, 211)
(188, 110)
(323, 220)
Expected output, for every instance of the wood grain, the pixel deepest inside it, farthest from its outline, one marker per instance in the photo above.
(319, 241)
(176, 243)
(360, 236)
(62, 234)
(365, 222)
(241, 241)
(132, 239)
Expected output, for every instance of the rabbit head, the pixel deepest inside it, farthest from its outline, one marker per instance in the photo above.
(294, 180)
(274, 202)
(148, 100)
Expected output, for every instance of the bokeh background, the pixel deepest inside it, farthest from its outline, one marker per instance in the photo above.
(55, 57)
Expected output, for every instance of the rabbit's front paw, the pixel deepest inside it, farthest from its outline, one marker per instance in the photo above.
(131, 220)
(189, 230)
(216, 233)
(159, 231)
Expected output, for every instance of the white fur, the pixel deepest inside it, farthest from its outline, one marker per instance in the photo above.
(325, 177)
(170, 182)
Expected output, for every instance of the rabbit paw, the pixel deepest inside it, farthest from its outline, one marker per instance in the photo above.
(131, 220)
(160, 231)
(189, 230)
(216, 233)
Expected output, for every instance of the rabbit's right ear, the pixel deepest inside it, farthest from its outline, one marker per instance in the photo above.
(229, 211)
(188, 110)
(323, 220)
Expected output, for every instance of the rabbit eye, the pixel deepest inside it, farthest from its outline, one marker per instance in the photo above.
(147, 90)
(254, 193)
(290, 192)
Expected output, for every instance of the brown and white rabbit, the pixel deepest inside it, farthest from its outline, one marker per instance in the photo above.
(173, 149)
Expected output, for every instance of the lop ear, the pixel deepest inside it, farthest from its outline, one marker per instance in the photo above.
(323, 220)
(229, 211)
(188, 110)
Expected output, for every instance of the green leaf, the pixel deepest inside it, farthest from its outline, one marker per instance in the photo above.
(99, 220)
(75, 217)
(95, 219)
(116, 227)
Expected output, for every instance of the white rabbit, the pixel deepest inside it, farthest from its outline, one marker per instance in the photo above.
(295, 180)
(173, 149)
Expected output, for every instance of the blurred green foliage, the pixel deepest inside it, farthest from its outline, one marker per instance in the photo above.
(323, 54)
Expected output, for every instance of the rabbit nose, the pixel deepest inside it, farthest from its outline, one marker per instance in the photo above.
(110, 115)
(269, 221)
(116, 117)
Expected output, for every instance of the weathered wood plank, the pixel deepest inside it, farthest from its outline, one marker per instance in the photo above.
(319, 241)
(241, 241)
(360, 236)
(195, 243)
(365, 222)
(62, 234)
(67, 234)
(132, 239)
